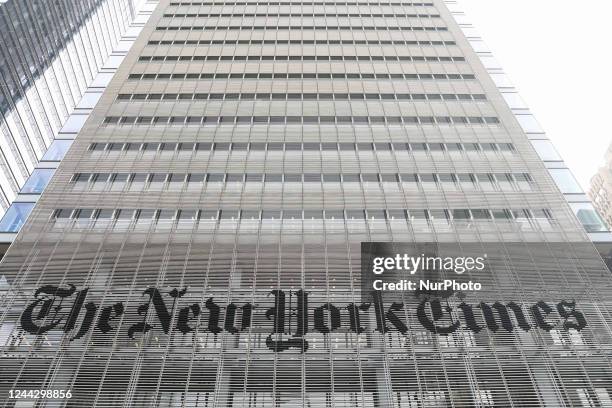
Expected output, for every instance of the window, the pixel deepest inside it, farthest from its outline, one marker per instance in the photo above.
(565, 181)
(334, 214)
(461, 214)
(215, 178)
(514, 101)
(546, 150)
(249, 214)
(313, 214)
(89, 100)
(196, 178)
(273, 178)
(301, 75)
(376, 214)
(145, 217)
(317, 27)
(74, 123)
(355, 215)
(37, 181)
(398, 147)
(396, 214)
(271, 214)
(481, 214)
(298, 97)
(309, 14)
(189, 215)
(15, 217)
(57, 150)
(331, 177)
(588, 217)
(293, 178)
(529, 124)
(373, 178)
(284, 3)
(445, 181)
(312, 177)
(292, 214)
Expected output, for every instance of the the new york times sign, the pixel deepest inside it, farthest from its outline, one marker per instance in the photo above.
(442, 288)
(69, 310)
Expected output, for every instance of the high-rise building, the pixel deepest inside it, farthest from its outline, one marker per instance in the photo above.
(599, 193)
(200, 243)
(601, 189)
(56, 58)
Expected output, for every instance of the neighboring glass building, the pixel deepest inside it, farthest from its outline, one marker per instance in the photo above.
(200, 243)
(55, 57)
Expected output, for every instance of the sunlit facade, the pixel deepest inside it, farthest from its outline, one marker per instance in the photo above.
(199, 245)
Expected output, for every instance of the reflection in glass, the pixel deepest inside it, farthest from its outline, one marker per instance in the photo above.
(37, 182)
(15, 217)
(588, 217)
(57, 150)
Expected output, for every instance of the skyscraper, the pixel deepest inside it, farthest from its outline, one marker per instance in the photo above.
(601, 188)
(200, 244)
(55, 60)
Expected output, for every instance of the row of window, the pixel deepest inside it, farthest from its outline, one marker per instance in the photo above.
(301, 27)
(299, 75)
(301, 41)
(394, 58)
(327, 146)
(297, 3)
(299, 96)
(470, 178)
(387, 15)
(282, 120)
(457, 214)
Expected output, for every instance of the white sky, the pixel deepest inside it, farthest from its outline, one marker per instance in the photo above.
(558, 54)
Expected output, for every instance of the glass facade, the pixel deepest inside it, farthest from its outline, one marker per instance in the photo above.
(57, 150)
(589, 217)
(566, 181)
(15, 217)
(200, 243)
(546, 150)
(37, 181)
(50, 52)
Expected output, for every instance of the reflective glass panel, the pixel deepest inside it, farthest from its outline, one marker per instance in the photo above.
(15, 216)
(37, 182)
(588, 217)
(57, 150)
(565, 181)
